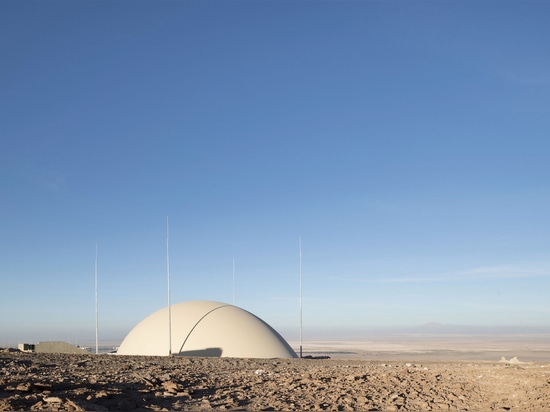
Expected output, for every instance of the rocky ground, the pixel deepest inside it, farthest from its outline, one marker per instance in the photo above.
(109, 382)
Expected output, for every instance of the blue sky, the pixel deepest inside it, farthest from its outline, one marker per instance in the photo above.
(405, 142)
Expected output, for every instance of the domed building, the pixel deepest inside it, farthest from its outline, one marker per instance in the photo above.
(205, 328)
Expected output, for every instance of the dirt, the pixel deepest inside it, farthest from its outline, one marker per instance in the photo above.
(38, 381)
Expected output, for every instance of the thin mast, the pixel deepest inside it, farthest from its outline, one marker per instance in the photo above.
(169, 303)
(233, 281)
(96, 306)
(300, 241)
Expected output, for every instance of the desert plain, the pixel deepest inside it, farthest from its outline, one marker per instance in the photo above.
(441, 376)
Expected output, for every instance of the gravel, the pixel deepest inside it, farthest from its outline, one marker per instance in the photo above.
(40, 381)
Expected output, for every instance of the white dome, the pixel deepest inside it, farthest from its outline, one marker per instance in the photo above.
(206, 328)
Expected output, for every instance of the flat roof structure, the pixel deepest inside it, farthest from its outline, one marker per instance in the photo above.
(51, 347)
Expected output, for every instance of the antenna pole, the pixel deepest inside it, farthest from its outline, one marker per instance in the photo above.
(233, 281)
(169, 303)
(300, 241)
(96, 306)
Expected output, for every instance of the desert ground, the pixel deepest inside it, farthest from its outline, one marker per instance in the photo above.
(434, 347)
(39, 381)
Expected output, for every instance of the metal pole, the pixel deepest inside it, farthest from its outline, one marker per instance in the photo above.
(300, 240)
(96, 306)
(169, 303)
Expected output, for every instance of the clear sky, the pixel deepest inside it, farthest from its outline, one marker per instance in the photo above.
(407, 143)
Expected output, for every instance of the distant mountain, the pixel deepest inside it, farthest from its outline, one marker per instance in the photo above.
(444, 328)
(436, 327)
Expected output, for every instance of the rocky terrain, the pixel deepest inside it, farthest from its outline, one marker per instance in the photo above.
(108, 382)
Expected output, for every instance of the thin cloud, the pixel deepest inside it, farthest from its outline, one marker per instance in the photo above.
(526, 79)
(479, 273)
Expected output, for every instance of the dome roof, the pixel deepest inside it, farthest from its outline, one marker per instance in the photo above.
(206, 328)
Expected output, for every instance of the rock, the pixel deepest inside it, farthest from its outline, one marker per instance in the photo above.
(170, 386)
(71, 406)
(40, 387)
(53, 399)
(24, 387)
